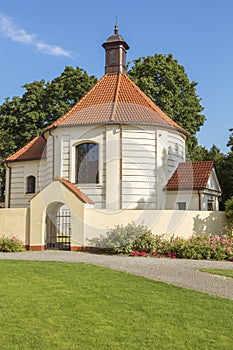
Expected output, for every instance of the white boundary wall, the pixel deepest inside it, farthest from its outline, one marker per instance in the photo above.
(161, 222)
(15, 222)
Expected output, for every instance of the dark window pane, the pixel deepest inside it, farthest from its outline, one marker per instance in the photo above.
(31, 184)
(181, 205)
(87, 163)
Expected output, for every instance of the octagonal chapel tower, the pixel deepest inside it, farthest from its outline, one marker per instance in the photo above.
(115, 144)
(123, 148)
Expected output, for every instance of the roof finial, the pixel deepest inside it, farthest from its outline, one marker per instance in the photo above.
(116, 27)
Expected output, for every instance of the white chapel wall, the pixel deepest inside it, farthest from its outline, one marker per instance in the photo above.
(18, 198)
(138, 167)
(66, 140)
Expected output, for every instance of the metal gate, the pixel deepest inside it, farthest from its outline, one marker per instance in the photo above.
(59, 231)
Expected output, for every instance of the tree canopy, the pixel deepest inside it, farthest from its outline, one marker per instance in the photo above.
(23, 118)
(162, 79)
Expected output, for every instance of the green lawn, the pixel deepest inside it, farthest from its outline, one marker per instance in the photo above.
(227, 273)
(51, 305)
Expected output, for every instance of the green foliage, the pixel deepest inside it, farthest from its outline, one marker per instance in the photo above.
(139, 240)
(225, 171)
(23, 118)
(120, 238)
(165, 81)
(229, 209)
(10, 245)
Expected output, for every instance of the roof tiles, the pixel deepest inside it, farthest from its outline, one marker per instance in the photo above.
(115, 99)
(84, 198)
(190, 175)
(35, 149)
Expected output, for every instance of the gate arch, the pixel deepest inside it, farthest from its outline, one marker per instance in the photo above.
(58, 227)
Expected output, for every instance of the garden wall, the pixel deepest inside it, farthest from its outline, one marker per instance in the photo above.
(178, 222)
(15, 222)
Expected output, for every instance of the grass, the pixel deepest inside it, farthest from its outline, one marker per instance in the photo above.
(227, 273)
(51, 305)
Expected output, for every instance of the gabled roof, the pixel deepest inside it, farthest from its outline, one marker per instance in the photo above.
(115, 99)
(84, 198)
(35, 149)
(190, 176)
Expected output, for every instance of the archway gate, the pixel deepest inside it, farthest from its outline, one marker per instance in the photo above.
(58, 228)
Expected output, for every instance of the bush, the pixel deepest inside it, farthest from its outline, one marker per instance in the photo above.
(138, 240)
(120, 238)
(229, 213)
(9, 245)
(196, 247)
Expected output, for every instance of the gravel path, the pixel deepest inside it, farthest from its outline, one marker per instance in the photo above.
(183, 273)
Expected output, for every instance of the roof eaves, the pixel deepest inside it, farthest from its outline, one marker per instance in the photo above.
(81, 195)
(23, 159)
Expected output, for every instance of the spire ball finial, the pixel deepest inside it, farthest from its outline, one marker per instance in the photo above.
(116, 27)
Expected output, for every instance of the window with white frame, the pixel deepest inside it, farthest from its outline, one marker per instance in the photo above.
(87, 163)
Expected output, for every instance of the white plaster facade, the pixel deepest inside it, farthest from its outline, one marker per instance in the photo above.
(139, 149)
(135, 163)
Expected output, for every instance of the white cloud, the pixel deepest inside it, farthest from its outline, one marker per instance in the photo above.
(10, 30)
(51, 49)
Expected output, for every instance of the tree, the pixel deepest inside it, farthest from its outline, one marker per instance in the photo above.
(229, 210)
(230, 142)
(66, 90)
(23, 118)
(162, 79)
(225, 170)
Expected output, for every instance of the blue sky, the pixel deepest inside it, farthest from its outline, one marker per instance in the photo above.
(39, 38)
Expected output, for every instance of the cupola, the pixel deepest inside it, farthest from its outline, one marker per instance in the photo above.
(115, 53)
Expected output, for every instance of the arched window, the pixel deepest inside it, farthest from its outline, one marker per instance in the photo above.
(31, 184)
(87, 163)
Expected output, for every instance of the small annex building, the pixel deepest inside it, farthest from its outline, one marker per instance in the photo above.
(113, 154)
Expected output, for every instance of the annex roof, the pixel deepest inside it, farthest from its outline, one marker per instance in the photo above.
(35, 149)
(115, 99)
(190, 176)
(84, 198)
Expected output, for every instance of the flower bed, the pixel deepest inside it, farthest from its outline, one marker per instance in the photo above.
(9, 245)
(138, 240)
(196, 247)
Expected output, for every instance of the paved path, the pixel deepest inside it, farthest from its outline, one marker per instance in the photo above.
(183, 273)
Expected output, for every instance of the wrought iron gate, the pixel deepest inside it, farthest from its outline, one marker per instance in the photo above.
(59, 231)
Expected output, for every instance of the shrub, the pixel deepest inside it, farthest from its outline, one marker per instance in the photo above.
(229, 209)
(196, 247)
(138, 240)
(145, 243)
(9, 245)
(120, 238)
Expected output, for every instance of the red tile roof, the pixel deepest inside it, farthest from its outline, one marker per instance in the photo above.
(115, 99)
(190, 175)
(84, 198)
(35, 149)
